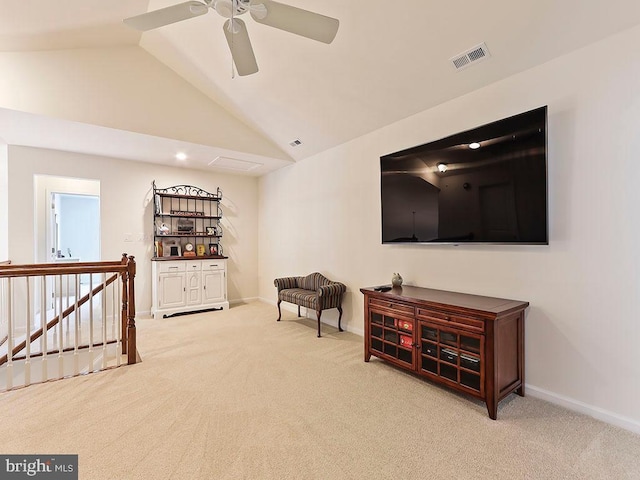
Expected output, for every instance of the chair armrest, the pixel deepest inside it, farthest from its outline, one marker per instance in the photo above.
(286, 282)
(331, 289)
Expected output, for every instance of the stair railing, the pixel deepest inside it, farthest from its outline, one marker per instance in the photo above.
(96, 327)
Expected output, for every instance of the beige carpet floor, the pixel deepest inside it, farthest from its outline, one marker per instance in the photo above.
(236, 395)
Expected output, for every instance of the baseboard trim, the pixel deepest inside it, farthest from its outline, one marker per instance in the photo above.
(581, 407)
(240, 301)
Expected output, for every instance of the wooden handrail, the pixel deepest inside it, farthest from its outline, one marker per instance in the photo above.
(38, 269)
(126, 268)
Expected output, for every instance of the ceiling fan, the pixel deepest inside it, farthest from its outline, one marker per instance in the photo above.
(278, 15)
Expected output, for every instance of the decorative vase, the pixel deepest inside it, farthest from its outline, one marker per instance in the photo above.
(396, 280)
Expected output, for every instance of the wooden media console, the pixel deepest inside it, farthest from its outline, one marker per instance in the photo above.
(471, 343)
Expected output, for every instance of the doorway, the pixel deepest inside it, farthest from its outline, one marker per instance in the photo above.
(67, 225)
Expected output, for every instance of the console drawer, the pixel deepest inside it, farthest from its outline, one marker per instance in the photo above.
(457, 321)
(425, 314)
(468, 323)
(391, 305)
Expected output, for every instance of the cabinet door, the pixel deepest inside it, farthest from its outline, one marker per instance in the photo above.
(213, 282)
(392, 337)
(171, 291)
(194, 288)
(452, 355)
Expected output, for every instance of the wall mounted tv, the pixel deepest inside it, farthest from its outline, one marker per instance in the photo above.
(485, 185)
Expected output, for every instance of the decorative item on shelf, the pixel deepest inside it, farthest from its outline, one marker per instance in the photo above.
(213, 249)
(396, 280)
(163, 229)
(159, 249)
(188, 250)
(211, 231)
(187, 213)
(158, 204)
(200, 250)
(171, 248)
(185, 225)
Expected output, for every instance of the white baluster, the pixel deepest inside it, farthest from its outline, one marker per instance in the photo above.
(60, 332)
(43, 326)
(91, 323)
(76, 330)
(10, 339)
(27, 361)
(104, 321)
(118, 322)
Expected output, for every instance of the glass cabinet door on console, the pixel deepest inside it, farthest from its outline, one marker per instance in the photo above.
(456, 357)
(391, 337)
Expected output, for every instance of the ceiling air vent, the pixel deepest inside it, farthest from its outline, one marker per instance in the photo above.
(474, 55)
(295, 143)
(234, 164)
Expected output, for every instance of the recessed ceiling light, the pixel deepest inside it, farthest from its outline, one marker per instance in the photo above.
(442, 167)
(474, 145)
(181, 156)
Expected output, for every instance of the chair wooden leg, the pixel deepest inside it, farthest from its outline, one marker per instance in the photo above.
(319, 312)
(279, 312)
(340, 319)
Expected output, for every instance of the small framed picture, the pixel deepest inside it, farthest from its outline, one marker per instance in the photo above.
(200, 250)
(211, 231)
(171, 248)
(213, 249)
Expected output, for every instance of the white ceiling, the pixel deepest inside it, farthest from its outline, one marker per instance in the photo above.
(389, 60)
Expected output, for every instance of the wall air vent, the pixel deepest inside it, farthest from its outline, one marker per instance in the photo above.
(234, 164)
(471, 56)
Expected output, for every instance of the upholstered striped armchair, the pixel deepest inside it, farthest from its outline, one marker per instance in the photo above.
(314, 291)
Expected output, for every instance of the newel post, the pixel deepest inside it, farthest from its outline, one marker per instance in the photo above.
(131, 323)
(123, 321)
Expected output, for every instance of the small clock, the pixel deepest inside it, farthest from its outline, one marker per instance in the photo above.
(189, 247)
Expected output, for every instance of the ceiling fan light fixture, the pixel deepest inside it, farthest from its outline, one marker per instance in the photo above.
(442, 167)
(231, 8)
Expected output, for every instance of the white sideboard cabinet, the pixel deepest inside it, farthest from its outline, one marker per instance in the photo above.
(190, 285)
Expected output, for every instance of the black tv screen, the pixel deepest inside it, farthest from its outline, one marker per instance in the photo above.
(485, 185)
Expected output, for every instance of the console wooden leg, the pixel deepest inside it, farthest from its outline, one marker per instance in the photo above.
(340, 319)
(319, 312)
(279, 312)
(492, 408)
(367, 356)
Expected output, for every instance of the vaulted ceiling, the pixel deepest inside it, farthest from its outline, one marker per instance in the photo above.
(76, 78)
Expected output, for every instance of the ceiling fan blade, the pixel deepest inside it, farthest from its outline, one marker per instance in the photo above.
(165, 16)
(240, 46)
(295, 20)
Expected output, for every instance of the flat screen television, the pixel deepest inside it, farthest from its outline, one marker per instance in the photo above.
(485, 185)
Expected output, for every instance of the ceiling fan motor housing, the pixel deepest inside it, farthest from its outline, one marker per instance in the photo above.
(231, 8)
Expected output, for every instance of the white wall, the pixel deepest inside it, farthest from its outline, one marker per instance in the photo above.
(582, 329)
(4, 201)
(125, 193)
